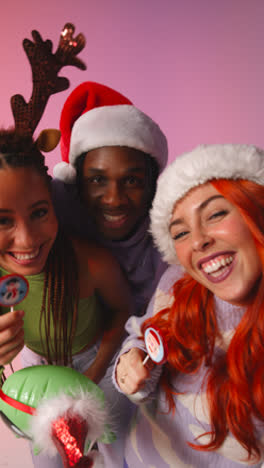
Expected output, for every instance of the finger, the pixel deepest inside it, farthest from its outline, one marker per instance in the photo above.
(130, 386)
(10, 350)
(11, 354)
(137, 358)
(130, 372)
(10, 334)
(10, 319)
(149, 364)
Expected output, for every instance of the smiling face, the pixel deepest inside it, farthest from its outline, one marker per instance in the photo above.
(28, 226)
(115, 191)
(214, 244)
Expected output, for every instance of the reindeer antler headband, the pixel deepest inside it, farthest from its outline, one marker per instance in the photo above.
(45, 67)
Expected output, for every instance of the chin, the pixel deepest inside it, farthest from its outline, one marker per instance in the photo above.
(114, 235)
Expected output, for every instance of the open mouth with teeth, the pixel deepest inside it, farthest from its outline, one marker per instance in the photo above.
(25, 257)
(218, 267)
(115, 220)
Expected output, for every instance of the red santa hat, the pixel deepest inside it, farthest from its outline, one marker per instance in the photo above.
(94, 116)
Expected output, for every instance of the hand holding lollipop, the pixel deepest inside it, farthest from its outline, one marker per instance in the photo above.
(13, 289)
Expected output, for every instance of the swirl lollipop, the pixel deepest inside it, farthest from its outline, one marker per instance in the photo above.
(13, 289)
(156, 346)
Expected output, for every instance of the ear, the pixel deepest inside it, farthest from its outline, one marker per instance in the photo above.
(48, 139)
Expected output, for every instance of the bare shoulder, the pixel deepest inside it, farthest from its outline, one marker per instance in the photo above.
(100, 271)
(93, 257)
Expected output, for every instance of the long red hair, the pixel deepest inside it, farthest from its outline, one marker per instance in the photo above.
(235, 381)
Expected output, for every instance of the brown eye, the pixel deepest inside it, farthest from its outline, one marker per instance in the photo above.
(133, 181)
(5, 221)
(96, 180)
(40, 213)
(218, 214)
(180, 235)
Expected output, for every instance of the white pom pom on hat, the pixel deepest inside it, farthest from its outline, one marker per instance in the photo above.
(94, 116)
(204, 163)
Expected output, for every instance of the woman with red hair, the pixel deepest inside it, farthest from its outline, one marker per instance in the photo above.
(205, 406)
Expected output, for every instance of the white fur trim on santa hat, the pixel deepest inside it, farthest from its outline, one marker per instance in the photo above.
(119, 125)
(79, 403)
(65, 172)
(204, 163)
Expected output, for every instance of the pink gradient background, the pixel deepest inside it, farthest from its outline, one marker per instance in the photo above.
(196, 67)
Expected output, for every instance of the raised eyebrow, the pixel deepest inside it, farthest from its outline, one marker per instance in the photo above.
(34, 205)
(175, 222)
(199, 208)
(129, 170)
(206, 202)
(4, 211)
(135, 169)
(95, 170)
(39, 203)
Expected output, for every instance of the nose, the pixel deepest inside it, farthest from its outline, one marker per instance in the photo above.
(201, 240)
(113, 194)
(24, 236)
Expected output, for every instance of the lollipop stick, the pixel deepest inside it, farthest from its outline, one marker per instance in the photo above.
(146, 359)
(12, 309)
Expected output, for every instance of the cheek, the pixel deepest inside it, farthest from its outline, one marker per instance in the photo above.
(140, 198)
(232, 230)
(89, 195)
(4, 240)
(52, 227)
(184, 254)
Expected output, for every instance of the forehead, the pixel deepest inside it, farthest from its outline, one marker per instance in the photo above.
(114, 160)
(18, 184)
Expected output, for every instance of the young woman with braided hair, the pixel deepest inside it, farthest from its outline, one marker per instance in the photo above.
(204, 407)
(65, 318)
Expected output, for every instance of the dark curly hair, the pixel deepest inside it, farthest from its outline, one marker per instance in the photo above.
(18, 150)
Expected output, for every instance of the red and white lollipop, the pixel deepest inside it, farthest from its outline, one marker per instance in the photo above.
(13, 289)
(156, 346)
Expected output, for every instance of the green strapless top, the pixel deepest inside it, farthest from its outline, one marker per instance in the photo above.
(89, 321)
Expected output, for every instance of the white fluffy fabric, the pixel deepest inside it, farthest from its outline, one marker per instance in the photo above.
(204, 163)
(65, 172)
(119, 125)
(81, 403)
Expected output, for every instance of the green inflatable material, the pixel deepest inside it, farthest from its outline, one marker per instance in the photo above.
(31, 385)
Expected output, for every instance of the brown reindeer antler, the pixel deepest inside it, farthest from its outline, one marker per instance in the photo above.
(45, 68)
